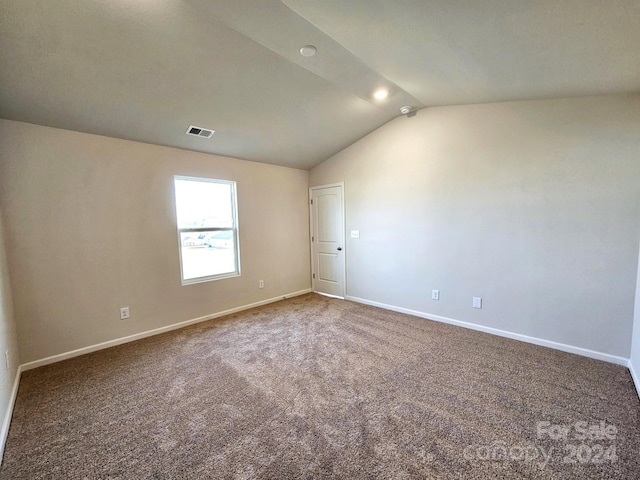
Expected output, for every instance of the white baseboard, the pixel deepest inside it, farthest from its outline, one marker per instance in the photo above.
(6, 422)
(502, 333)
(636, 378)
(156, 331)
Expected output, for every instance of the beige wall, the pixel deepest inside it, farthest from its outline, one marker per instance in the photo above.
(8, 342)
(533, 206)
(90, 227)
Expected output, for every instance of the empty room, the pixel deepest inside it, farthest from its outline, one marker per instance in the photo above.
(300, 239)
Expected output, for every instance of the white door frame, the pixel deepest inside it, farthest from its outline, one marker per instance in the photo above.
(344, 233)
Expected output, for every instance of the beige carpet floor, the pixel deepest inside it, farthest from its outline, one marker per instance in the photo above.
(313, 387)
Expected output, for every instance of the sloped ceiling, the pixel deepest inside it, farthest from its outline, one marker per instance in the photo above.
(147, 69)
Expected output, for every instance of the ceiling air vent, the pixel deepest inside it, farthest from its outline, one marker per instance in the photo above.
(199, 132)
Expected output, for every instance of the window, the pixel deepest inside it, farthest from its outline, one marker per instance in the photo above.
(207, 229)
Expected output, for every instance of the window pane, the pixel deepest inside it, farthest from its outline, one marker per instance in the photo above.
(205, 254)
(207, 207)
(203, 204)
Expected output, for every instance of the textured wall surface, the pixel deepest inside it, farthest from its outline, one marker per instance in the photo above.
(533, 206)
(8, 340)
(90, 227)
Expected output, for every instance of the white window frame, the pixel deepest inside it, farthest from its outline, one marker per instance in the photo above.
(234, 229)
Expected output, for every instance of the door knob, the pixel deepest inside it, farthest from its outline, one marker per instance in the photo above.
(340, 249)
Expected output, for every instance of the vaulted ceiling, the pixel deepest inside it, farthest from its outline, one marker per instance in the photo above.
(146, 70)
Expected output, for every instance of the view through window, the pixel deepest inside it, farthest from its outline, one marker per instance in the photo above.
(207, 228)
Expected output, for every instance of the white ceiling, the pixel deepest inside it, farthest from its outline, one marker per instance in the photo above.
(147, 69)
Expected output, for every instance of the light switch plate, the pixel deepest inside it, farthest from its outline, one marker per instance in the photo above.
(355, 233)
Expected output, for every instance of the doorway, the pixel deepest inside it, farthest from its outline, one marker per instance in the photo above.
(327, 239)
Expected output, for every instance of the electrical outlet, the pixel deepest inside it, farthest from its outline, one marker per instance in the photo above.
(477, 302)
(435, 294)
(260, 283)
(124, 313)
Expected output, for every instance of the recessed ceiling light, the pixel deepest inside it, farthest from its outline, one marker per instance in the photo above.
(308, 51)
(381, 94)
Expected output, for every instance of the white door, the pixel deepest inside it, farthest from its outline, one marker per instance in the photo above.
(327, 240)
